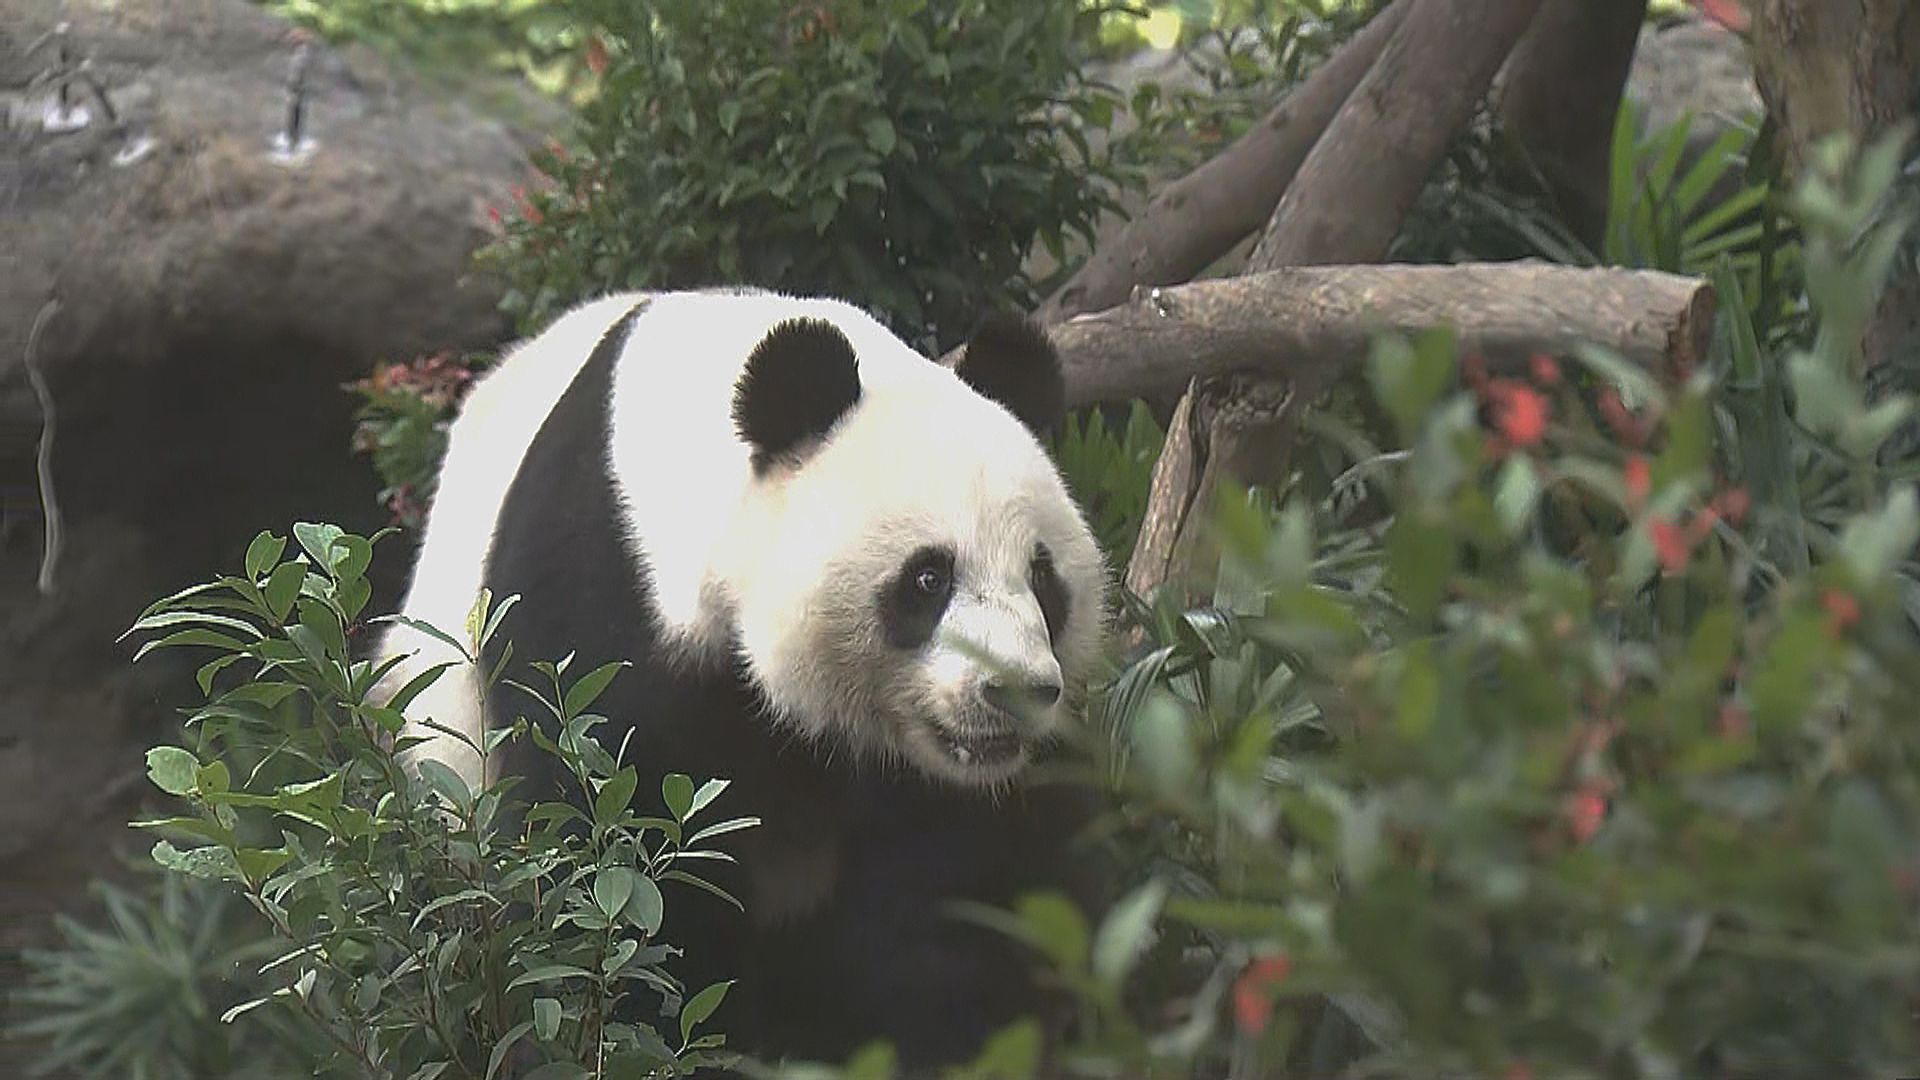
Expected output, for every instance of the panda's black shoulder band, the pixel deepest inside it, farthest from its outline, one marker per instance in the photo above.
(799, 381)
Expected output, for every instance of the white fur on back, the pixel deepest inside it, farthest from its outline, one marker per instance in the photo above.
(485, 445)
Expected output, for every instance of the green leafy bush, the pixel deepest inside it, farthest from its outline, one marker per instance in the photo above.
(1592, 758)
(905, 153)
(401, 424)
(1109, 472)
(424, 928)
(1239, 59)
(140, 995)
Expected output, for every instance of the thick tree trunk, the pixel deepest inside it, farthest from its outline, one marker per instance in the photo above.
(1560, 94)
(1196, 219)
(1355, 188)
(1853, 66)
(1345, 205)
(1299, 321)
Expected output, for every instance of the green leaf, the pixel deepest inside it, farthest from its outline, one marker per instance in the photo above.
(1056, 927)
(546, 1018)
(416, 685)
(446, 782)
(1012, 1053)
(612, 888)
(646, 908)
(589, 687)
(677, 790)
(615, 796)
(234, 1013)
(1408, 377)
(617, 959)
(283, 588)
(708, 792)
(721, 828)
(1875, 543)
(1126, 932)
(880, 135)
(557, 1070)
(173, 770)
(546, 973)
(208, 638)
(210, 863)
(1517, 493)
(1421, 559)
(1161, 745)
(505, 1044)
(263, 552)
(317, 540)
(701, 1006)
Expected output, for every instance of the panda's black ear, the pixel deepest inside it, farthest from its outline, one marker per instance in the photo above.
(1011, 361)
(798, 381)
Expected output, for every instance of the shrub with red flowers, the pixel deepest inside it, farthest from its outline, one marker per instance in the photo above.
(402, 425)
(1584, 750)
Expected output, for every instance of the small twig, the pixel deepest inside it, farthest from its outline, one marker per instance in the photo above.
(49, 504)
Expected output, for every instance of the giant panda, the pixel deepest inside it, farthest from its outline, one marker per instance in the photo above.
(849, 579)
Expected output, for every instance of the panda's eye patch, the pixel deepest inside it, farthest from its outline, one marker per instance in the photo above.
(913, 600)
(1049, 590)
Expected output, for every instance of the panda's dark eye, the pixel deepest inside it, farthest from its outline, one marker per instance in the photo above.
(913, 600)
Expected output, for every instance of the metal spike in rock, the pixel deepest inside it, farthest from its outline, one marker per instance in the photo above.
(292, 144)
(61, 113)
(133, 146)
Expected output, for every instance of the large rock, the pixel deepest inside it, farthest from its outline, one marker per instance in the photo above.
(1692, 67)
(212, 302)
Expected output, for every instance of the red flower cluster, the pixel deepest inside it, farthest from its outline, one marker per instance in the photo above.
(1628, 428)
(1673, 544)
(1253, 992)
(1843, 611)
(437, 378)
(1585, 810)
(1638, 477)
(1731, 14)
(1517, 411)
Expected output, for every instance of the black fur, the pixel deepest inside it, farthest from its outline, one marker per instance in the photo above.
(880, 959)
(911, 602)
(801, 378)
(1049, 590)
(1011, 361)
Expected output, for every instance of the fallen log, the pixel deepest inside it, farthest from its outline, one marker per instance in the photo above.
(1317, 320)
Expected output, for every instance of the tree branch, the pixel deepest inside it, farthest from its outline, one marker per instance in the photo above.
(1355, 188)
(1560, 94)
(1197, 218)
(1317, 321)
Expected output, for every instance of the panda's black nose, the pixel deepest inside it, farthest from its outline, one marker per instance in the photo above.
(1013, 697)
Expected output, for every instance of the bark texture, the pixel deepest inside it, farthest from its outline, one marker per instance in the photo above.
(1354, 190)
(1314, 321)
(1199, 217)
(1827, 66)
(1560, 93)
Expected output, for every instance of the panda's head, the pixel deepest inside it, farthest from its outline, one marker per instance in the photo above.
(911, 577)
